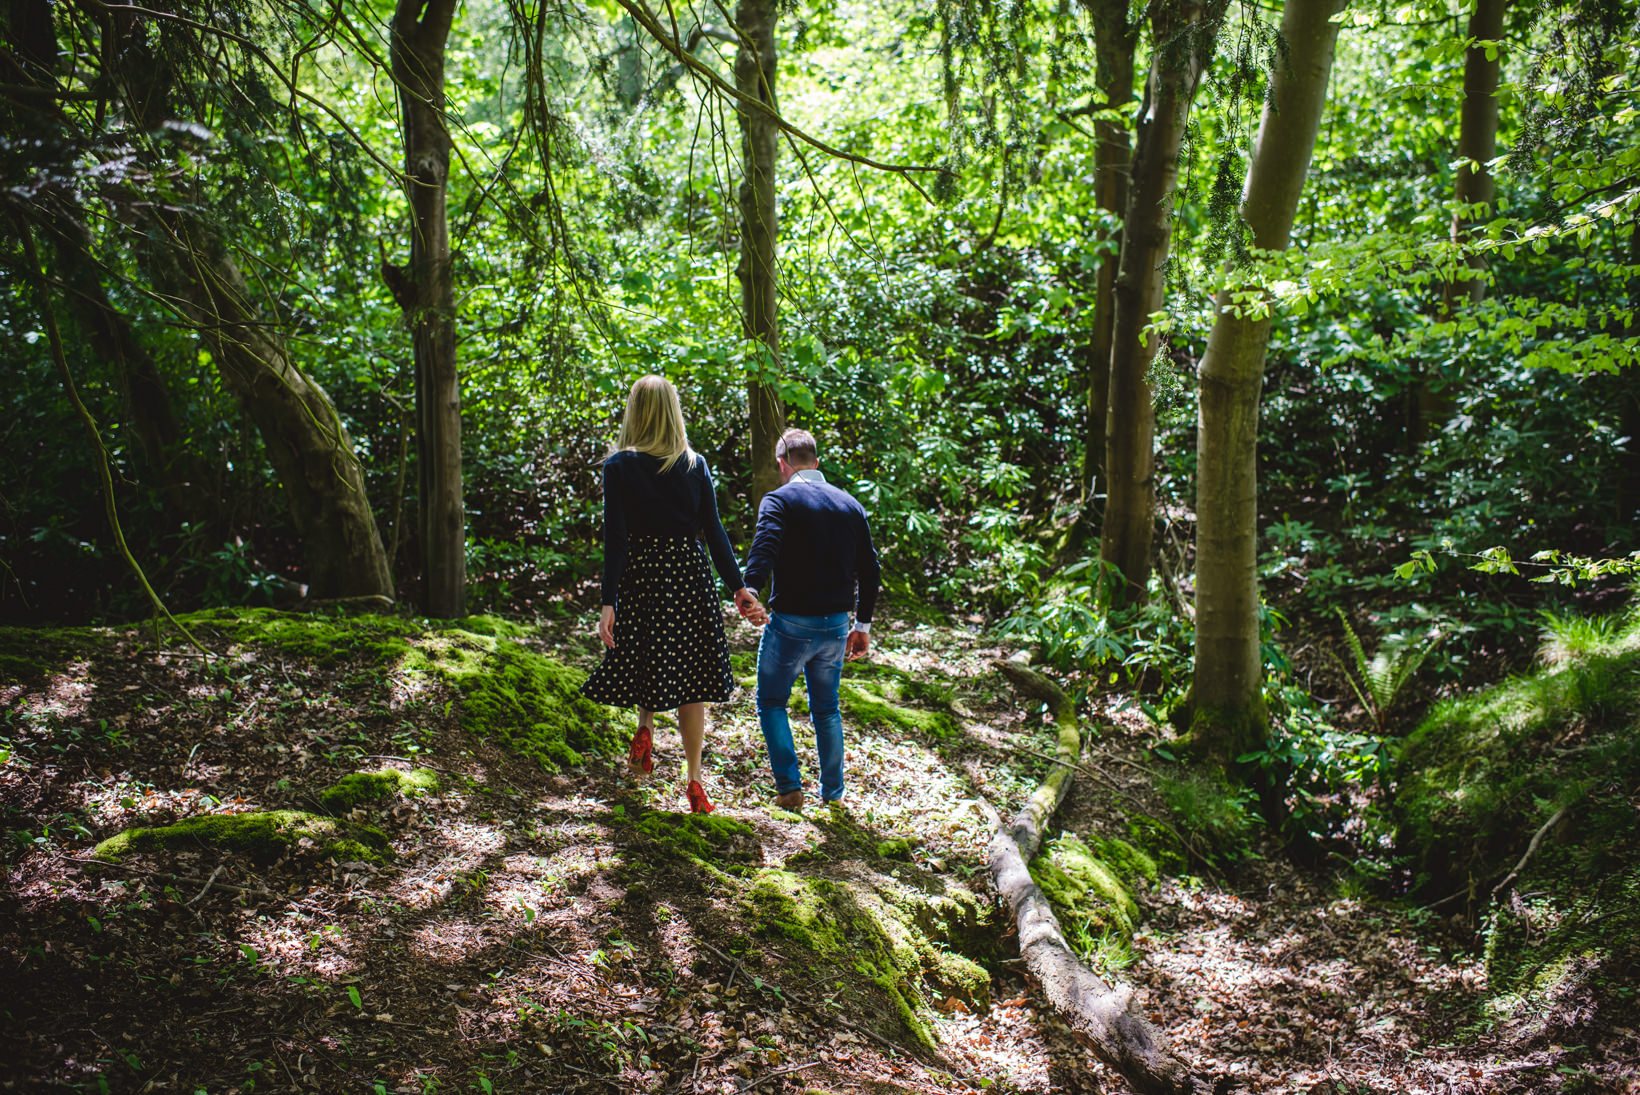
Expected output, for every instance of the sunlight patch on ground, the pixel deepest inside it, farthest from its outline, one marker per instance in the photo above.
(449, 942)
(292, 949)
(901, 787)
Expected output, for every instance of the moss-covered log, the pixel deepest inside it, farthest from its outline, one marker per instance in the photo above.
(1101, 1014)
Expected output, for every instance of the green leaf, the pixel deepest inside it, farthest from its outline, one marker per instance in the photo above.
(353, 995)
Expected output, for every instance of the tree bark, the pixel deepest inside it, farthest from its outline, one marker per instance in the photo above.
(1226, 703)
(1183, 34)
(755, 67)
(426, 293)
(1102, 1015)
(310, 449)
(1114, 39)
(1477, 141)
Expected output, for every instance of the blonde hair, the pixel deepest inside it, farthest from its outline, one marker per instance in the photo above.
(653, 423)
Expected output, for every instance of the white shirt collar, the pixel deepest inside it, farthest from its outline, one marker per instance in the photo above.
(809, 475)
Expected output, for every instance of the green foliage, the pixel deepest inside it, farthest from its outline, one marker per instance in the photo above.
(1073, 624)
(1322, 776)
(1377, 681)
(1205, 805)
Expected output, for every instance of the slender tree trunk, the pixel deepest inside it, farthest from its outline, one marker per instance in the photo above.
(1477, 139)
(1226, 703)
(309, 447)
(426, 292)
(1183, 33)
(755, 63)
(1114, 39)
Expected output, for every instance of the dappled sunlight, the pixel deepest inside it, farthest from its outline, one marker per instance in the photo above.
(295, 945)
(448, 941)
(905, 787)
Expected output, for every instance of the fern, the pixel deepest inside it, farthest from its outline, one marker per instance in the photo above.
(1377, 681)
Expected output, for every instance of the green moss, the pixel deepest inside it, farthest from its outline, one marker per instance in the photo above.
(1484, 773)
(1084, 887)
(525, 701)
(262, 835)
(365, 787)
(889, 933)
(494, 627)
(28, 655)
(894, 848)
(701, 836)
(1129, 863)
(322, 640)
(875, 704)
(1157, 842)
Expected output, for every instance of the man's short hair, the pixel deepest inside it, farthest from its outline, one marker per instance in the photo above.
(797, 447)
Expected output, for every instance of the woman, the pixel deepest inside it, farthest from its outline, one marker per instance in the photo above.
(661, 619)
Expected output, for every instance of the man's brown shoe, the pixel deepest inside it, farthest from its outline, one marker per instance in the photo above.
(791, 800)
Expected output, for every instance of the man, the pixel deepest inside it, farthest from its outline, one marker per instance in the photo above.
(813, 539)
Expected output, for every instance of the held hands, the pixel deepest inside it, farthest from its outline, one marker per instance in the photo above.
(751, 610)
(606, 626)
(858, 645)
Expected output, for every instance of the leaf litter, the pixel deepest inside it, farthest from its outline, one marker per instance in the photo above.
(521, 939)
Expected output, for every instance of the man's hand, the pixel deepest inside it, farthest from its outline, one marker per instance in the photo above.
(606, 626)
(751, 609)
(858, 646)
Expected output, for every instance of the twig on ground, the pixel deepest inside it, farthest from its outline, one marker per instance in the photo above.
(209, 882)
(777, 1072)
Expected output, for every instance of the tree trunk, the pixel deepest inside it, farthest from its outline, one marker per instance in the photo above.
(1183, 34)
(1114, 39)
(755, 63)
(1226, 704)
(309, 447)
(426, 292)
(1477, 140)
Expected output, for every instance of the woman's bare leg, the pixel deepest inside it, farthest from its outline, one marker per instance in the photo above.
(692, 728)
(646, 718)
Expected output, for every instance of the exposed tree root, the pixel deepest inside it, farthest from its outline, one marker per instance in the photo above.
(1101, 1014)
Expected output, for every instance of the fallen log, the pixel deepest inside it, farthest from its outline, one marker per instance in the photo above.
(1102, 1015)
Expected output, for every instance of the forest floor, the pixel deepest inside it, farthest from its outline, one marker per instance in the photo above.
(531, 933)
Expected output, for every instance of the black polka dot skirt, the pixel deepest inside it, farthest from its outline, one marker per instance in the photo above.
(669, 644)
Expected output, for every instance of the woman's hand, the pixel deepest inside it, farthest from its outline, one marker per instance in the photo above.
(606, 626)
(751, 609)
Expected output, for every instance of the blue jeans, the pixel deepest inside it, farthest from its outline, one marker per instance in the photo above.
(814, 646)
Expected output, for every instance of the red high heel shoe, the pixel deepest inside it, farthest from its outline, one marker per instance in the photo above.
(698, 802)
(639, 757)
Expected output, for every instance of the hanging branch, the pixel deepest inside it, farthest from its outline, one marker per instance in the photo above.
(672, 45)
(32, 257)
